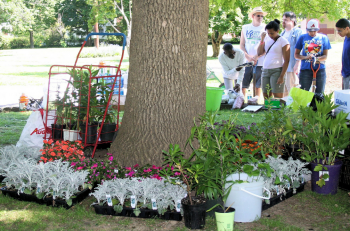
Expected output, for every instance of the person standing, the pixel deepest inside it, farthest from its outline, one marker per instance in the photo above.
(292, 34)
(343, 29)
(312, 45)
(277, 53)
(250, 39)
(229, 60)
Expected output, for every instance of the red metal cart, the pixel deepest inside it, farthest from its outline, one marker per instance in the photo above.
(86, 101)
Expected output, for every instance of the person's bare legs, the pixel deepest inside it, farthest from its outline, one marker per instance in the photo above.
(278, 95)
(244, 91)
(268, 96)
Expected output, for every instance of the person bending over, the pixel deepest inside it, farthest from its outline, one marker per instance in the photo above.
(229, 59)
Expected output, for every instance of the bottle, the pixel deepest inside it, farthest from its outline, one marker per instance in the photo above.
(249, 94)
(23, 102)
(101, 64)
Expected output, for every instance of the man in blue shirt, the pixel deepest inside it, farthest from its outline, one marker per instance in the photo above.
(343, 29)
(312, 45)
(292, 34)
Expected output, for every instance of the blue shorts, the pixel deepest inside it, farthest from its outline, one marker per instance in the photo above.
(248, 77)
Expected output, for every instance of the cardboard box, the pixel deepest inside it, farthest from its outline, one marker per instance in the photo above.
(342, 98)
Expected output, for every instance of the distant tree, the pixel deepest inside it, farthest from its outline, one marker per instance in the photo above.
(29, 15)
(75, 15)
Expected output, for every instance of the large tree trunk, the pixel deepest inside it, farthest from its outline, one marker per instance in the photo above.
(166, 87)
(31, 39)
(216, 43)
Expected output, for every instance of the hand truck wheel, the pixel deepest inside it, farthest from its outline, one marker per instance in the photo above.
(88, 151)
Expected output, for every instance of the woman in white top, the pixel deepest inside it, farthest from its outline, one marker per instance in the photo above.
(276, 50)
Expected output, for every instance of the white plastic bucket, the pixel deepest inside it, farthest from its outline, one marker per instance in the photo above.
(246, 198)
(70, 135)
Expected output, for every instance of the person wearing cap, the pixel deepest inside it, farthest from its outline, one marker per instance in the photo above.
(292, 34)
(250, 40)
(229, 59)
(312, 45)
(343, 29)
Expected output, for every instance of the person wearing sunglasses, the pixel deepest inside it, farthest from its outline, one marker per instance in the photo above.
(250, 40)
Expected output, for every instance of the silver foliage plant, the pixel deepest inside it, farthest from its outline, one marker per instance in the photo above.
(10, 155)
(289, 173)
(144, 189)
(56, 178)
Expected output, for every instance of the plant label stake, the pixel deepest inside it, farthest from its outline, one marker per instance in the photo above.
(321, 173)
(21, 190)
(116, 171)
(154, 204)
(38, 189)
(178, 206)
(109, 200)
(133, 201)
(54, 195)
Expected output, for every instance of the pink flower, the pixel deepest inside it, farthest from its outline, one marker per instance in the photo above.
(110, 154)
(104, 167)
(128, 168)
(136, 165)
(147, 170)
(80, 168)
(154, 167)
(130, 174)
(94, 166)
(73, 164)
(177, 173)
(110, 158)
(172, 168)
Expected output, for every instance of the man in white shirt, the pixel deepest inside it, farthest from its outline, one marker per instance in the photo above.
(229, 60)
(250, 40)
(292, 34)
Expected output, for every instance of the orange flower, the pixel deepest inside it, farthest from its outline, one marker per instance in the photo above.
(50, 142)
(52, 153)
(64, 147)
(45, 141)
(50, 160)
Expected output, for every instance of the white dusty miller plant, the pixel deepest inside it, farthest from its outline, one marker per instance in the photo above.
(57, 179)
(287, 174)
(151, 193)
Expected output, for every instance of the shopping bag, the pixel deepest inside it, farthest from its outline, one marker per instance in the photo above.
(299, 98)
(33, 132)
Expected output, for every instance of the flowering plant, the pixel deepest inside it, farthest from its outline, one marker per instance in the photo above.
(108, 169)
(64, 150)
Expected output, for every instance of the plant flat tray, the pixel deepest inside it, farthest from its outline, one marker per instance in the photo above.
(144, 213)
(277, 199)
(48, 201)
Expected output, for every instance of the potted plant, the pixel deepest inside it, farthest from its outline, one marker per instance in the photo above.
(323, 137)
(58, 125)
(84, 107)
(107, 114)
(188, 170)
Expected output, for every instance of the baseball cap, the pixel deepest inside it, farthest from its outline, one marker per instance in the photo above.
(313, 25)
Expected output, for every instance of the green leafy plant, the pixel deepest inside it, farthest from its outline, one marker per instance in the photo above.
(322, 136)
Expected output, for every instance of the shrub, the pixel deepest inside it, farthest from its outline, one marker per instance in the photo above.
(105, 50)
(19, 42)
(5, 41)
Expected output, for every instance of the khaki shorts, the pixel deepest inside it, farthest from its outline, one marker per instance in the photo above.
(269, 80)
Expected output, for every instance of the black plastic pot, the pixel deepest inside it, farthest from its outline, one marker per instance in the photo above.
(10, 193)
(57, 131)
(62, 203)
(194, 215)
(107, 132)
(1, 178)
(91, 133)
(210, 204)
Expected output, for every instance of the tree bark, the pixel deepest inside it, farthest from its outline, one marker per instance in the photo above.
(97, 41)
(216, 43)
(31, 39)
(167, 78)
